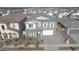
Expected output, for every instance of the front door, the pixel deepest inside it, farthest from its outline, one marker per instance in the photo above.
(38, 34)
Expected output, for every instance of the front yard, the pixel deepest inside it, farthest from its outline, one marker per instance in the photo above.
(29, 42)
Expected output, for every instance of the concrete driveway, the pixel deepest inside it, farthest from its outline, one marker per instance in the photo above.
(55, 39)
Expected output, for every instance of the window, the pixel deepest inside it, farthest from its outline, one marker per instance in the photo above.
(52, 24)
(30, 25)
(45, 24)
(10, 35)
(5, 35)
(3, 27)
(14, 35)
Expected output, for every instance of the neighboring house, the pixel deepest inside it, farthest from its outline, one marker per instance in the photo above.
(5, 12)
(39, 25)
(11, 26)
(70, 25)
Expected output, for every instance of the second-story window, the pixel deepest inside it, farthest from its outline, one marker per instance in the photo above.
(3, 27)
(30, 25)
(45, 24)
(52, 24)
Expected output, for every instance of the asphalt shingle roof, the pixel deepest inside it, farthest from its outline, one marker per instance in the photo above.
(37, 15)
(17, 17)
(69, 23)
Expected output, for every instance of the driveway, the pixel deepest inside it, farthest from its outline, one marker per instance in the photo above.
(55, 39)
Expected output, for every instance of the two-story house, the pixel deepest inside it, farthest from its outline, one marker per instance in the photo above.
(39, 25)
(11, 26)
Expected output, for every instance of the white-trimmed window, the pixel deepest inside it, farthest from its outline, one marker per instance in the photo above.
(31, 26)
(10, 35)
(14, 35)
(51, 24)
(3, 27)
(5, 35)
(45, 24)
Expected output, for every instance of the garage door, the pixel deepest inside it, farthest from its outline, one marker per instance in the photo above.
(48, 32)
(74, 31)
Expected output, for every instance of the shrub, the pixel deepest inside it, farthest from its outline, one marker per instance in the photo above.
(1, 44)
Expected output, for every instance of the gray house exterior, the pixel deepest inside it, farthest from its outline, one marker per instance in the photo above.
(39, 25)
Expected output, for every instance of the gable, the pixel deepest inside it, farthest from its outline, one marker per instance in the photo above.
(42, 18)
(33, 21)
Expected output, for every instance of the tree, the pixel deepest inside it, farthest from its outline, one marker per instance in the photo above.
(0, 14)
(1, 43)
